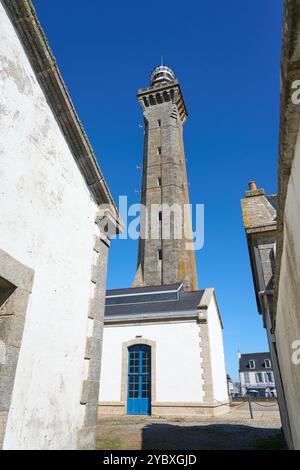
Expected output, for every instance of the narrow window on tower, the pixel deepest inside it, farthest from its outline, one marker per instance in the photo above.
(160, 216)
(158, 150)
(159, 255)
(158, 123)
(159, 181)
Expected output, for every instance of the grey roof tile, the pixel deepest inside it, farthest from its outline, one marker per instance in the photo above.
(151, 300)
(259, 359)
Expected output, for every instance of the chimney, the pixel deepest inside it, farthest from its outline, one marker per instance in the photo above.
(252, 185)
(253, 191)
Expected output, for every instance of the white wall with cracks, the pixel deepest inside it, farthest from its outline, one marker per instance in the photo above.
(47, 222)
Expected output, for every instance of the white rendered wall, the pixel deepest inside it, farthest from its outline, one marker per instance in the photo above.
(287, 330)
(178, 368)
(47, 223)
(217, 356)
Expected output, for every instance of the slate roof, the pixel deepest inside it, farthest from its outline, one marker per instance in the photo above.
(137, 290)
(140, 301)
(259, 359)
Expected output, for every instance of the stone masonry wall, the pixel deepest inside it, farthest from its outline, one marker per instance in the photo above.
(164, 182)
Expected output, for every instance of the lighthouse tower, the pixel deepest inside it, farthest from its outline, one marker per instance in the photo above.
(163, 351)
(165, 254)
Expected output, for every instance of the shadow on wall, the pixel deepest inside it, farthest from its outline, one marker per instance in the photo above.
(210, 437)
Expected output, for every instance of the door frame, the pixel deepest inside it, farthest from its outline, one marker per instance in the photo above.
(124, 376)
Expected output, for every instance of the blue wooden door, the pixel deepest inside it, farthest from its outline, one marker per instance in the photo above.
(139, 380)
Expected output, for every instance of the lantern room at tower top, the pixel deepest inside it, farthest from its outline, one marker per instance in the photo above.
(162, 73)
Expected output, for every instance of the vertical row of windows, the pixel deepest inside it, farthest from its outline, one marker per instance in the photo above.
(159, 252)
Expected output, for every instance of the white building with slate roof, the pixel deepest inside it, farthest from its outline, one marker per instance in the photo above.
(162, 353)
(256, 374)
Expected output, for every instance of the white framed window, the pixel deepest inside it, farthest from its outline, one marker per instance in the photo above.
(269, 377)
(159, 181)
(259, 378)
(251, 364)
(246, 377)
(267, 364)
(158, 151)
(158, 123)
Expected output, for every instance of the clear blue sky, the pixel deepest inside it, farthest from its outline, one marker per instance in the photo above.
(226, 55)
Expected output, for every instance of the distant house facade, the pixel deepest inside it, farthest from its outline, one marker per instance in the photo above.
(53, 249)
(256, 374)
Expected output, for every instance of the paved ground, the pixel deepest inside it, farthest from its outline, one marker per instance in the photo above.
(234, 430)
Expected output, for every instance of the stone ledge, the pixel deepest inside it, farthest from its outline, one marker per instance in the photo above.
(165, 409)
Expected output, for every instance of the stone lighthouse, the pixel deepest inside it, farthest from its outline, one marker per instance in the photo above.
(165, 254)
(163, 351)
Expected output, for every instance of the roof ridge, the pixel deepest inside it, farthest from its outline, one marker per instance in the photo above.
(259, 352)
